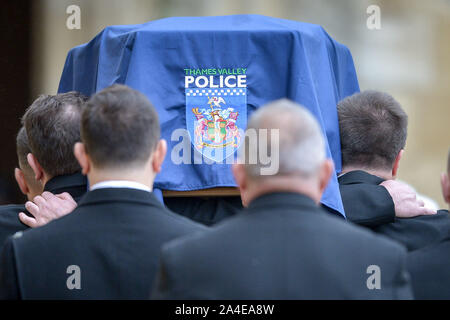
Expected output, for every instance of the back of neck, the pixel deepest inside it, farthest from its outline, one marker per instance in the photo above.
(285, 184)
(142, 177)
(384, 174)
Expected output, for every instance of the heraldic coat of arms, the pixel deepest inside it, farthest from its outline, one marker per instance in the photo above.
(216, 120)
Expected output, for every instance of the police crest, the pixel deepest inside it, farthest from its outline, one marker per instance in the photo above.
(216, 116)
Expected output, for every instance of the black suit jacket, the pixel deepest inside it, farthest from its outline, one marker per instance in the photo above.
(114, 236)
(282, 247)
(418, 232)
(75, 185)
(362, 195)
(365, 202)
(430, 271)
(205, 210)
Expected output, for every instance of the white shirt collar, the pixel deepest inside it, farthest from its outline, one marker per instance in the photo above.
(340, 175)
(120, 184)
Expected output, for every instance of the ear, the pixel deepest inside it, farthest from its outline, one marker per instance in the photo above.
(445, 184)
(158, 155)
(326, 170)
(35, 166)
(20, 178)
(396, 163)
(239, 175)
(241, 180)
(83, 159)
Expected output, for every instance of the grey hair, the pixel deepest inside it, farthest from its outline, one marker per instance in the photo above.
(299, 146)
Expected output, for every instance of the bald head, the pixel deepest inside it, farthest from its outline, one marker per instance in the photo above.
(286, 137)
(293, 132)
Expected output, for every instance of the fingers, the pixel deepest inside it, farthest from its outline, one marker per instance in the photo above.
(39, 201)
(32, 208)
(420, 203)
(47, 207)
(64, 196)
(48, 196)
(428, 211)
(26, 220)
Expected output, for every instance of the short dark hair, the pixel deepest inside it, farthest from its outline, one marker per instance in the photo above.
(22, 147)
(52, 124)
(119, 126)
(373, 129)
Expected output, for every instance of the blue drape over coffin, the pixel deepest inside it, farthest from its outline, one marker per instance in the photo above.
(275, 58)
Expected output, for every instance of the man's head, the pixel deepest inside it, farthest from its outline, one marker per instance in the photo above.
(52, 124)
(24, 174)
(296, 142)
(445, 181)
(120, 136)
(373, 129)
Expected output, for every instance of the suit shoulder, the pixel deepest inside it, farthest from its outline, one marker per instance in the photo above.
(53, 228)
(443, 212)
(183, 221)
(320, 221)
(11, 209)
(441, 216)
(356, 236)
(9, 219)
(204, 240)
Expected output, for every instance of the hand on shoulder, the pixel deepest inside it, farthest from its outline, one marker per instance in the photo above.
(46, 208)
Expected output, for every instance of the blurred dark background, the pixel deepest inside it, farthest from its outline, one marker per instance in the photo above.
(15, 85)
